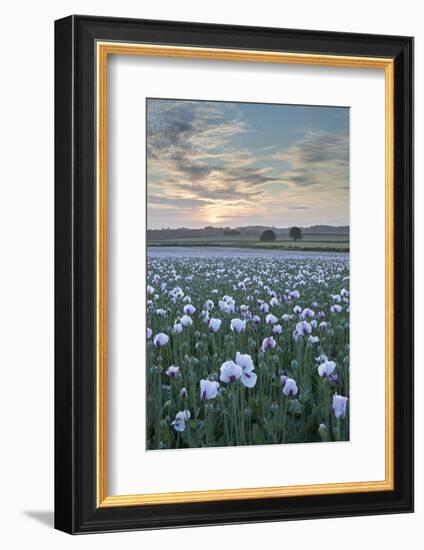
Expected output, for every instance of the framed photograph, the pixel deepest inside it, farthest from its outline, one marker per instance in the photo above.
(234, 274)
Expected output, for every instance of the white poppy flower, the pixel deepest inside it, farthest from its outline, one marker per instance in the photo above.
(248, 377)
(172, 371)
(179, 424)
(178, 328)
(307, 313)
(313, 339)
(209, 305)
(277, 329)
(186, 321)
(223, 306)
(161, 312)
(160, 340)
(326, 368)
(208, 389)
(237, 325)
(189, 309)
(264, 308)
(339, 405)
(270, 319)
(290, 387)
(268, 343)
(273, 302)
(230, 372)
(214, 325)
(149, 332)
(335, 308)
(297, 309)
(303, 328)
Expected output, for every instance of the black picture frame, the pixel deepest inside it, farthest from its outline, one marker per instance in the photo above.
(75, 275)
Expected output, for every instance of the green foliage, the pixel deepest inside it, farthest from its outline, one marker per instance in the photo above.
(268, 236)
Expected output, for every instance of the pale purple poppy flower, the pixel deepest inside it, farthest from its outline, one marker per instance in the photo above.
(189, 309)
(307, 313)
(303, 328)
(268, 343)
(173, 371)
(237, 325)
(223, 306)
(208, 389)
(178, 328)
(209, 305)
(248, 377)
(214, 325)
(335, 308)
(264, 308)
(339, 405)
(270, 319)
(186, 321)
(277, 329)
(326, 368)
(290, 387)
(313, 339)
(230, 372)
(179, 424)
(160, 340)
(149, 332)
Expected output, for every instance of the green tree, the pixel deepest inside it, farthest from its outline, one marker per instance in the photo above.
(296, 233)
(268, 236)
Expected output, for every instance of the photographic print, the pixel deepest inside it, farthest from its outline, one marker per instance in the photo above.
(247, 274)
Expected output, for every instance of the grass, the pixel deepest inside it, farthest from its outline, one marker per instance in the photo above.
(313, 242)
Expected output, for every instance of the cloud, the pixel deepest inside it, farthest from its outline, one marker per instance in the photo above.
(207, 163)
(317, 158)
(192, 153)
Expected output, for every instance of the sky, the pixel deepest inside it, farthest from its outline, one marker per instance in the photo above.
(237, 164)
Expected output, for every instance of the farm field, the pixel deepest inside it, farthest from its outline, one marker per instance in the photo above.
(246, 347)
(329, 242)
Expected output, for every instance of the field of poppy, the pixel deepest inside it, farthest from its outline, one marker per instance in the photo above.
(247, 350)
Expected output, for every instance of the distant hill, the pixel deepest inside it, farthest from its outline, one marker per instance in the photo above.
(253, 230)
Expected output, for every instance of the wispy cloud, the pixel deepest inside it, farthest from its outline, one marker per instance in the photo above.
(318, 157)
(206, 164)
